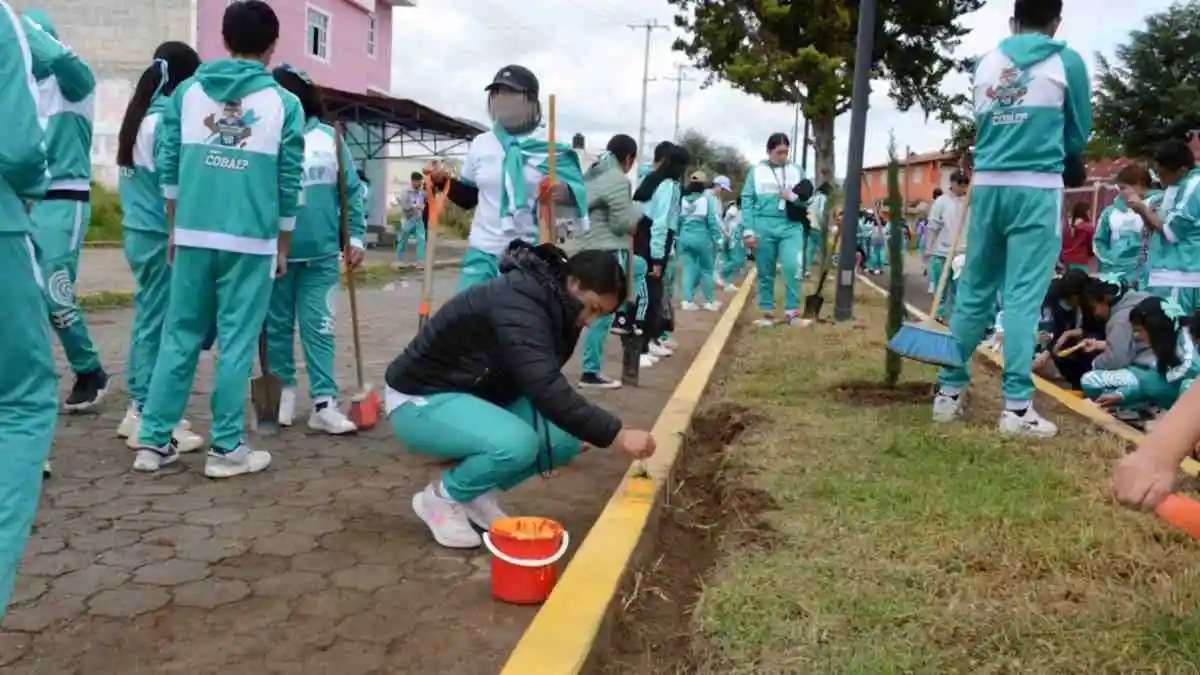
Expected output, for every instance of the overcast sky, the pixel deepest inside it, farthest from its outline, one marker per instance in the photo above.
(446, 51)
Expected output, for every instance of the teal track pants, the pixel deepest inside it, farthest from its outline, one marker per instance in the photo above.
(698, 254)
(232, 291)
(28, 401)
(59, 228)
(878, 257)
(597, 331)
(779, 241)
(413, 227)
(478, 267)
(146, 253)
(733, 260)
(496, 448)
(306, 295)
(939, 265)
(1014, 242)
(1138, 386)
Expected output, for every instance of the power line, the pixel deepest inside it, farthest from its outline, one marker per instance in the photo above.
(650, 26)
(679, 78)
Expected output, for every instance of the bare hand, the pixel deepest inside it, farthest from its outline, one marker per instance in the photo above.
(1071, 335)
(354, 257)
(280, 266)
(1040, 361)
(171, 248)
(637, 443)
(1092, 345)
(437, 172)
(1142, 480)
(1108, 401)
(1131, 197)
(656, 271)
(559, 192)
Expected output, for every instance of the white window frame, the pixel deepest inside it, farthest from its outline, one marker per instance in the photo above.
(309, 10)
(372, 34)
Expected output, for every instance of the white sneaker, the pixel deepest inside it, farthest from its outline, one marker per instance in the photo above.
(646, 361)
(689, 306)
(240, 461)
(764, 322)
(185, 439)
(484, 510)
(330, 420)
(947, 408)
(287, 407)
(446, 519)
(731, 288)
(714, 306)
(669, 344)
(1031, 424)
(660, 350)
(130, 423)
(150, 459)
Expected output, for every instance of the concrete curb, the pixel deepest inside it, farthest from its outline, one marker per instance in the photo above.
(1076, 405)
(100, 300)
(560, 639)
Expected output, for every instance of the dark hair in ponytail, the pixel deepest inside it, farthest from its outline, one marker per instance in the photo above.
(1149, 314)
(174, 62)
(309, 95)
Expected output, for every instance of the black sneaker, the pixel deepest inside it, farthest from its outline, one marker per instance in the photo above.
(598, 381)
(88, 391)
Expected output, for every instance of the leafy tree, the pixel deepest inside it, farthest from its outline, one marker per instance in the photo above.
(962, 130)
(893, 364)
(1151, 91)
(802, 51)
(714, 158)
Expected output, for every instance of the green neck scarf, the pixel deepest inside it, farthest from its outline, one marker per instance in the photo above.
(519, 151)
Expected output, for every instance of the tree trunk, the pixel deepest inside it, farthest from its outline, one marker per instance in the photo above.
(822, 130)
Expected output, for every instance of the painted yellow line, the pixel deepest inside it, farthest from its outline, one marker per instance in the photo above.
(560, 638)
(1088, 410)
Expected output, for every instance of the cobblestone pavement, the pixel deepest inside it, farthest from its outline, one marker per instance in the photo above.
(105, 269)
(315, 566)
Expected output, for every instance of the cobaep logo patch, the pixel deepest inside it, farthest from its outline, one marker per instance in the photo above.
(233, 127)
(1008, 93)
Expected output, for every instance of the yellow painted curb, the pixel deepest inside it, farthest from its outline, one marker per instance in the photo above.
(560, 638)
(1070, 401)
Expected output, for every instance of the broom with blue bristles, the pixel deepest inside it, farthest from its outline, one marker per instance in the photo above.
(929, 341)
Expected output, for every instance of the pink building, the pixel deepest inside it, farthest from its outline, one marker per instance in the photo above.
(342, 44)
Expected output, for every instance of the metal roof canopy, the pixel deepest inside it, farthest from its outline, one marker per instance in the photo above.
(384, 122)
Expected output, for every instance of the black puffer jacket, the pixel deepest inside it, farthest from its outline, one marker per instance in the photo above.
(508, 339)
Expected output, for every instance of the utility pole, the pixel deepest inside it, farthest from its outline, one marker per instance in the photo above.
(796, 146)
(679, 78)
(650, 26)
(843, 308)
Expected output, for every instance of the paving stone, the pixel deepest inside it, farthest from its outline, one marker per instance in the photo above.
(84, 499)
(314, 525)
(366, 577)
(215, 516)
(13, 646)
(119, 508)
(175, 534)
(249, 529)
(212, 550)
(44, 612)
(128, 601)
(285, 544)
(290, 584)
(251, 567)
(103, 541)
(276, 513)
(44, 543)
(351, 541)
(54, 564)
(154, 489)
(171, 572)
(334, 603)
(306, 499)
(210, 593)
(322, 562)
(347, 657)
(28, 588)
(136, 555)
(90, 580)
(181, 503)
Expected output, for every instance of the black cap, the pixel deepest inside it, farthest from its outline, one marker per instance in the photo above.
(516, 77)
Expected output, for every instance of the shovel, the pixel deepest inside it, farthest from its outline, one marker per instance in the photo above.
(365, 407)
(265, 393)
(813, 303)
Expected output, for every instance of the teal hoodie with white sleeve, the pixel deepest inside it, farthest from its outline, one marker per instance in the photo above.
(23, 173)
(143, 208)
(232, 154)
(66, 88)
(318, 223)
(1174, 255)
(760, 193)
(1033, 109)
(1118, 240)
(700, 214)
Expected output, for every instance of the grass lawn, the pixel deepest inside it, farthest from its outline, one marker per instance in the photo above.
(846, 533)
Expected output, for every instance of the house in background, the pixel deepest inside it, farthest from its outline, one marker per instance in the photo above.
(920, 175)
(344, 45)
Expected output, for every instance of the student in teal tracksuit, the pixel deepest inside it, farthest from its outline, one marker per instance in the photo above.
(144, 229)
(765, 194)
(613, 217)
(412, 211)
(502, 174)
(307, 293)
(818, 208)
(231, 158)
(733, 260)
(65, 97)
(699, 238)
(1119, 231)
(1033, 111)
(1174, 251)
(28, 381)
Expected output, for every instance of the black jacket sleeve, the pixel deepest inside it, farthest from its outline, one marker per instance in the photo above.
(524, 336)
(463, 195)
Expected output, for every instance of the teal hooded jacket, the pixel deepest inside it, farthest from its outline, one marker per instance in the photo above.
(23, 173)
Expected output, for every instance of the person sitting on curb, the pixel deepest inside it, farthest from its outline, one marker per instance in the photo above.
(481, 386)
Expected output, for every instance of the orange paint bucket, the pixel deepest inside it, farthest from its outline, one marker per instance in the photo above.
(524, 554)
(1182, 512)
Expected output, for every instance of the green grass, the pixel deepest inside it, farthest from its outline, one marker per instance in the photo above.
(904, 547)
